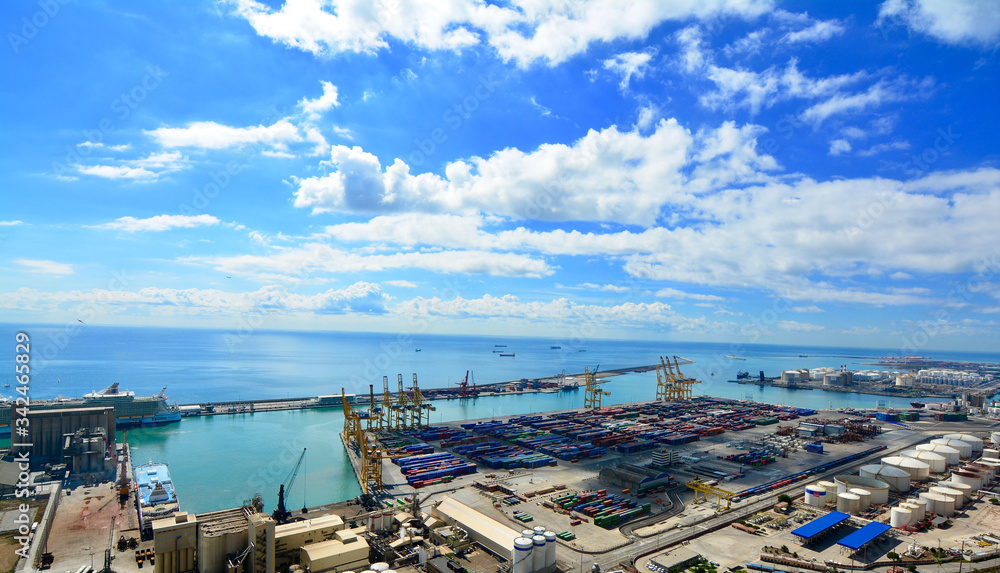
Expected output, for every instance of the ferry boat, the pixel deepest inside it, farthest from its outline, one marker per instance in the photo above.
(130, 410)
(155, 494)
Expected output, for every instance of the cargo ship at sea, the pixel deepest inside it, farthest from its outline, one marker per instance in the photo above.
(155, 496)
(130, 410)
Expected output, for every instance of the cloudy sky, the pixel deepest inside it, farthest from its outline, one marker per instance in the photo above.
(750, 171)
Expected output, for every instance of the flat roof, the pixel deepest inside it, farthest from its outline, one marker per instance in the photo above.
(821, 524)
(864, 536)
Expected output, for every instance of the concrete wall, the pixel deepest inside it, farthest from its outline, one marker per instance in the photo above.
(175, 540)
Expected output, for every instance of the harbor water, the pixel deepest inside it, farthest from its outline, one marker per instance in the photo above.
(217, 462)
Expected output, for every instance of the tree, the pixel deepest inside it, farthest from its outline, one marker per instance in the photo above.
(785, 497)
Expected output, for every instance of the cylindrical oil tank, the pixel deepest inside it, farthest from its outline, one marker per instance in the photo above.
(847, 503)
(994, 466)
(950, 492)
(950, 454)
(550, 549)
(522, 555)
(987, 470)
(380, 567)
(815, 495)
(900, 517)
(995, 438)
(922, 506)
(538, 553)
(897, 478)
(914, 511)
(917, 469)
(831, 491)
(864, 498)
(964, 488)
(938, 504)
(964, 448)
(539, 530)
(991, 453)
(936, 462)
(976, 443)
(973, 480)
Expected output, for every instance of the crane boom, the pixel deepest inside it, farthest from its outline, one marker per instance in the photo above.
(295, 471)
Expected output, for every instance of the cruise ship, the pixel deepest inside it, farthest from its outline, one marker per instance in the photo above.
(155, 494)
(130, 411)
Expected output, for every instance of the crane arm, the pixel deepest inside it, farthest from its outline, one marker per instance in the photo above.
(295, 471)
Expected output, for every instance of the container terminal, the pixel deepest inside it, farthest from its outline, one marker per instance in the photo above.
(676, 483)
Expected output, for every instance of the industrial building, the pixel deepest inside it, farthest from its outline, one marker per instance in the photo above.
(81, 438)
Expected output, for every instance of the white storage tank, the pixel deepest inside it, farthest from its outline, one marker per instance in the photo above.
(950, 454)
(976, 443)
(380, 567)
(914, 511)
(964, 448)
(939, 504)
(847, 503)
(995, 438)
(900, 517)
(984, 471)
(815, 495)
(950, 492)
(538, 553)
(831, 491)
(991, 453)
(539, 530)
(917, 469)
(994, 466)
(864, 498)
(965, 489)
(973, 480)
(936, 462)
(922, 507)
(522, 555)
(550, 549)
(897, 478)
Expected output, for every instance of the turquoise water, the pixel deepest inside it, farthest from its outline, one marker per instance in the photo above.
(219, 461)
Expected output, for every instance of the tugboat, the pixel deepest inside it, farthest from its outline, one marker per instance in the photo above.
(917, 404)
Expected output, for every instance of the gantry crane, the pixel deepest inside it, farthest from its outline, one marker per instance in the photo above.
(420, 416)
(281, 514)
(464, 390)
(592, 399)
(371, 468)
(705, 489)
(403, 406)
(352, 423)
(374, 418)
(664, 383)
(388, 411)
(683, 381)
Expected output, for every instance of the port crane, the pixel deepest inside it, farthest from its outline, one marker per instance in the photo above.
(464, 390)
(388, 408)
(420, 414)
(281, 514)
(592, 399)
(352, 422)
(684, 381)
(703, 489)
(403, 408)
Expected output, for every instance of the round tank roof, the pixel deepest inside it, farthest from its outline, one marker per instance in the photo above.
(878, 470)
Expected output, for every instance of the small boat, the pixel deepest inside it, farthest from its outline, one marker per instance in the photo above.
(582, 350)
(917, 404)
(499, 346)
(555, 347)
(730, 356)
(503, 354)
(417, 350)
(803, 356)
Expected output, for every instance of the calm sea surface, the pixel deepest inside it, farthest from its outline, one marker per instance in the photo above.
(217, 462)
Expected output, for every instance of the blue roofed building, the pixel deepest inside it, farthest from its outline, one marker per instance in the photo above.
(820, 527)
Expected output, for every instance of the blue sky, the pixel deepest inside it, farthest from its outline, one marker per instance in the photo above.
(816, 173)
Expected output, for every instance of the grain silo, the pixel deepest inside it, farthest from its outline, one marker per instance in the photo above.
(522, 555)
(550, 550)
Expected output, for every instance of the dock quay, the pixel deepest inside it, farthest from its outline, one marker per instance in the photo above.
(521, 386)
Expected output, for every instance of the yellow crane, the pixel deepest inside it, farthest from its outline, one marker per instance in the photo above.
(371, 468)
(704, 489)
(683, 381)
(352, 423)
(402, 406)
(388, 412)
(374, 418)
(420, 416)
(664, 383)
(592, 399)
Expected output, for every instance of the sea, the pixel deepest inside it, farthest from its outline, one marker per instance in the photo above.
(218, 462)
